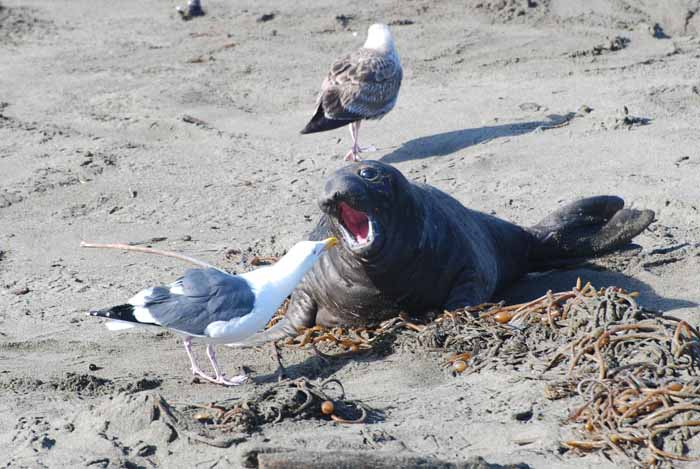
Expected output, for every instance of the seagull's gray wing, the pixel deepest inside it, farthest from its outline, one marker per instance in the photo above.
(198, 298)
(361, 85)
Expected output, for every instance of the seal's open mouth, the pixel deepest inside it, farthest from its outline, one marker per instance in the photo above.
(355, 225)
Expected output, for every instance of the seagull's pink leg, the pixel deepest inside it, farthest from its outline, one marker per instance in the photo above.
(354, 153)
(196, 370)
(360, 149)
(220, 379)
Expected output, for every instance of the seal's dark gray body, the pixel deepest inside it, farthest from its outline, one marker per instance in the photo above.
(420, 250)
(452, 257)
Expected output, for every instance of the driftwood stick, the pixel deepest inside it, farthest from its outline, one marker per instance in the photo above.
(357, 460)
(127, 247)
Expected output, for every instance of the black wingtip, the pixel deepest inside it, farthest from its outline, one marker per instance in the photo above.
(320, 123)
(123, 312)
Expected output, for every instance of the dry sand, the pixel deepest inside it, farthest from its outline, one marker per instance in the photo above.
(94, 145)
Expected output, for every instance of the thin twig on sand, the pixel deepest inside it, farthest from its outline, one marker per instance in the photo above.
(127, 247)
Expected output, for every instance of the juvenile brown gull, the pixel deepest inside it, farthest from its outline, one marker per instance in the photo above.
(361, 85)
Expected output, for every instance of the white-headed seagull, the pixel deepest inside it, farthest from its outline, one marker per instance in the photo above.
(215, 307)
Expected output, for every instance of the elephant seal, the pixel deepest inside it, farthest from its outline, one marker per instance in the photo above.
(410, 247)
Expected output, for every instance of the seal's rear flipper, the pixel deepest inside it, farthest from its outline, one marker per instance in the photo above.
(585, 228)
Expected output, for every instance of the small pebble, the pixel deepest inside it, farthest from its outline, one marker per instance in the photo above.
(530, 107)
(681, 160)
(583, 110)
(523, 416)
(266, 17)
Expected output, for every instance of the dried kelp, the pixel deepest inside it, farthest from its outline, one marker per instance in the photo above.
(299, 399)
(634, 371)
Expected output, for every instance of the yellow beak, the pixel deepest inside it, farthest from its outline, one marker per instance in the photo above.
(329, 243)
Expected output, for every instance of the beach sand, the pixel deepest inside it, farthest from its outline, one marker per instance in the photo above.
(120, 122)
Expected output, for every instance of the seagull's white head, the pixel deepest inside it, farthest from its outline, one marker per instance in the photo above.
(274, 283)
(379, 38)
(271, 285)
(303, 255)
(291, 268)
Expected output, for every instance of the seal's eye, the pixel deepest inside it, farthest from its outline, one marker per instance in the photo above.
(368, 173)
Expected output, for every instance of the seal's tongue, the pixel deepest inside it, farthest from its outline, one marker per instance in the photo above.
(355, 222)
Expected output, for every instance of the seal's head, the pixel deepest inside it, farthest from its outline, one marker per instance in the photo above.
(366, 202)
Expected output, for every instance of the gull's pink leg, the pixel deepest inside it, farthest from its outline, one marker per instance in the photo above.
(359, 148)
(354, 153)
(196, 370)
(220, 379)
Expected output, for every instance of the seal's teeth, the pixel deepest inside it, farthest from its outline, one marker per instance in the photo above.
(353, 241)
(355, 221)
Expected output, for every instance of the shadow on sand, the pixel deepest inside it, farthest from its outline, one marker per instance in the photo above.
(316, 367)
(451, 142)
(535, 285)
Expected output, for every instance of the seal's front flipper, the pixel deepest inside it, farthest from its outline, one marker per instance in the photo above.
(585, 228)
(466, 291)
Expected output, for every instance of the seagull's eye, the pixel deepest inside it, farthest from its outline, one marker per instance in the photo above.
(368, 173)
